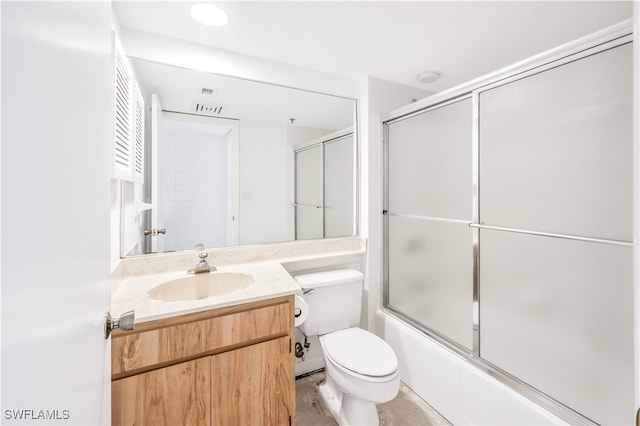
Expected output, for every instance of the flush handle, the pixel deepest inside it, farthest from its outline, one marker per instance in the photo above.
(124, 322)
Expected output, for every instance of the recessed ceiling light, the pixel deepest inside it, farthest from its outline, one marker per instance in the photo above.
(429, 76)
(208, 14)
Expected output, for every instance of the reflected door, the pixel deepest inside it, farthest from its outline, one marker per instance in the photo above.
(194, 188)
(157, 118)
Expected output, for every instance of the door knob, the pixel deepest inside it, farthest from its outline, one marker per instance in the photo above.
(124, 322)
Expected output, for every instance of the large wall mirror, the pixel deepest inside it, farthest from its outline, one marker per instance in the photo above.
(233, 162)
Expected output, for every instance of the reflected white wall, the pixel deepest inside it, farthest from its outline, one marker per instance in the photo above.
(263, 168)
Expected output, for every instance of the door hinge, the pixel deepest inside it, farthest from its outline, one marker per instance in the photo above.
(385, 212)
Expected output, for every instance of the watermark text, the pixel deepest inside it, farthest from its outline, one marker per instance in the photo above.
(36, 414)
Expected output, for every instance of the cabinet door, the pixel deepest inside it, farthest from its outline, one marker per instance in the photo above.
(175, 395)
(254, 385)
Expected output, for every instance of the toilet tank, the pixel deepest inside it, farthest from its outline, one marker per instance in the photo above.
(335, 302)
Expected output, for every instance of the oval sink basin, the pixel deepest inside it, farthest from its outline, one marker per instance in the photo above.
(200, 286)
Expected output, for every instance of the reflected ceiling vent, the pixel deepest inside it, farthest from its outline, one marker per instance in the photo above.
(208, 91)
(201, 108)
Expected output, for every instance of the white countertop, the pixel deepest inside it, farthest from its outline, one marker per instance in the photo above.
(271, 280)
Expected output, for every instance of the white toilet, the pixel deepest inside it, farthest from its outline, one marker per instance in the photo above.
(361, 369)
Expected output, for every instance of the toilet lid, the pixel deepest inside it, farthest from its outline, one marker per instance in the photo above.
(361, 352)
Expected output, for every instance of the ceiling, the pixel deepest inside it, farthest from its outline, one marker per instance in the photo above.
(391, 40)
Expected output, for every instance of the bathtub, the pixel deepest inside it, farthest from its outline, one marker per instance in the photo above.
(460, 391)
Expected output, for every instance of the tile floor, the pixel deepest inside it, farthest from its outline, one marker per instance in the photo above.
(407, 409)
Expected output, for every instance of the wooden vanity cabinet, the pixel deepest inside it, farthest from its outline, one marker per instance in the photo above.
(227, 366)
(176, 395)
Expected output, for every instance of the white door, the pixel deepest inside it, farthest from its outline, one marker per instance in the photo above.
(233, 226)
(56, 131)
(194, 180)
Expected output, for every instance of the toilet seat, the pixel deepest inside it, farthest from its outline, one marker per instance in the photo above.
(360, 352)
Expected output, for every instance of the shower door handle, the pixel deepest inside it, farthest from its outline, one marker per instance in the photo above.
(306, 205)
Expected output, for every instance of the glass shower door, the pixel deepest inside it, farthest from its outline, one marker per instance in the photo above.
(325, 179)
(556, 237)
(308, 202)
(339, 178)
(509, 231)
(429, 203)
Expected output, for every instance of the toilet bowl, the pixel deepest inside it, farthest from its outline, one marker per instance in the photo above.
(361, 369)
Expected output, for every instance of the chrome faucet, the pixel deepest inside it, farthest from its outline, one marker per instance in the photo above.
(202, 265)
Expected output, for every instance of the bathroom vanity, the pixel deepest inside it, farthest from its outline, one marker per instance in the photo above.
(231, 365)
(213, 348)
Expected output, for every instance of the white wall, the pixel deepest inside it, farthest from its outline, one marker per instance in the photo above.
(130, 235)
(298, 135)
(188, 55)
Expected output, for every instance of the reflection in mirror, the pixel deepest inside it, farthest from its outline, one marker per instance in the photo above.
(324, 177)
(225, 163)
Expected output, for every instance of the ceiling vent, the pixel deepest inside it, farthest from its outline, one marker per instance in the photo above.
(201, 108)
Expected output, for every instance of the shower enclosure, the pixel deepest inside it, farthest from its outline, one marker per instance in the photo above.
(509, 226)
(325, 187)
